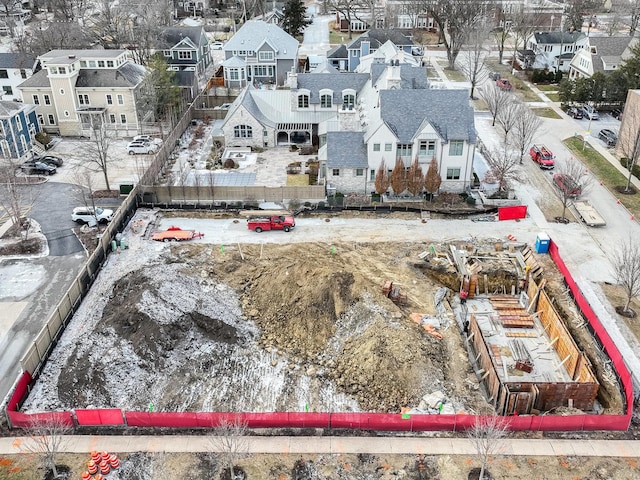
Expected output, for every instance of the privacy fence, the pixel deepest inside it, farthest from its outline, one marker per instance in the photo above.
(358, 421)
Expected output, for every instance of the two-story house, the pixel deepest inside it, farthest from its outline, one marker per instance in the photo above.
(552, 50)
(359, 119)
(14, 69)
(75, 85)
(187, 53)
(601, 54)
(18, 128)
(259, 53)
(368, 43)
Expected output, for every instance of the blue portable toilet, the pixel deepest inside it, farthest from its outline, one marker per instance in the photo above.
(542, 243)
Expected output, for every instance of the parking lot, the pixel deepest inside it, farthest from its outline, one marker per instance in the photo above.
(606, 121)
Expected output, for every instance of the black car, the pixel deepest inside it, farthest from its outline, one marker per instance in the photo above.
(50, 160)
(617, 113)
(608, 136)
(39, 168)
(575, 112)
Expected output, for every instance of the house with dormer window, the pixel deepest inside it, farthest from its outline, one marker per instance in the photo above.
(187, 53)
(259, 53)
(74, 89)
(551, 50)
(357, 120)
(601, 54)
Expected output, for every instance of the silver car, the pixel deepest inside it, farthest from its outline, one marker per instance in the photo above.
(590, 112)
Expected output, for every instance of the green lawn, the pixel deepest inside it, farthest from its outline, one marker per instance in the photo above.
(338, 38)
(604, 171)
(452, 75)
(548, 88)
(546, 112)
(554, 97)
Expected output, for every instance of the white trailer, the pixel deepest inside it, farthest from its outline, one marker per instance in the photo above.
(589, 214)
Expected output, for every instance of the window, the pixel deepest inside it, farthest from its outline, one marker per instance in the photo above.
(265, 56)
(376, 147)
(325, 101)
(359, 172)
(47, 100)
(112, 118)
(51, 119)
(66, 113)
(92, 64)
(19, 122)
(4, 74)
(100, 63)
(372, 175)
(36, 100)
(7, 90)
(404, 149)
(123, 118)
(52, 71)
(263, 70)
(23, 73)
(184, 54)
(62, 70)
(83, 64)
(453, 174)
(303, 101)
(166, 53)
(109, 99)
(242, 131)
(40, 119)
(348, 100)
(427, 148)
(83, 99)
(109, 63)
(62, 91)
(455, 148)
(335, 172)
(120, 99)
(387, 147)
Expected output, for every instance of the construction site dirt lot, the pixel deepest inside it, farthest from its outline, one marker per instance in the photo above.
(263, 327)
(142, 466)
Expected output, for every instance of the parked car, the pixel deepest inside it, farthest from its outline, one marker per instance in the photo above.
(217, 45)
(50, 160)
(90, 217)
(39, 168)
(141, 147)
(504, 84)
(224, 106)
(567, 185)
(575, 112)
(617, 113)
(589, 112)
(146, 138)
(494, 76)
(608, 136)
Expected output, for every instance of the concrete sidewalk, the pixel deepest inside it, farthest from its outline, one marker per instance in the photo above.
(337, 445)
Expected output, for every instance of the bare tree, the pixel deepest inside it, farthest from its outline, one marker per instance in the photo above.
(432, 180)
(487, 436)
(97, 148)
(84, 191)
(495, 98)
(508, 117)
(46, 437)
(399, 177)
(629, 141)
(455, 18)
(503, 166)
(523, 23)
(229, 440)
(415, 181)
(575, 181)
(473, 58)
(525, 129)
(16, 195)
(382, 180)
(501, 33)
(625, 261)
(632, 8)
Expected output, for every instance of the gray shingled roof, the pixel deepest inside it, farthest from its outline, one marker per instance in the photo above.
(411, 77)
(9, 108)
(127, 75)
(38, 79)
(556, 38)
(404, 111)
(338, 52)
(378, 36)
(346, 150)
(173, 35)
(16, 60)
(610, 48)
(80, 54)
(314, 82)
(253, 34)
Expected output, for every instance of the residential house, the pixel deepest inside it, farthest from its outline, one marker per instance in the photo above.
(14, 69)
(77, 87)
(259, 53)
(338, 58)
(275, 16)
(370, 41)
(551, 50)
(18, 128)
(190, 8)
(187, 53)
(601, 54)
(359, 119)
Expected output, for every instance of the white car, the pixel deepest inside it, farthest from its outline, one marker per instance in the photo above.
(224, 106)
(590, 112)
(91, 218)
(141, 147)
(146, 138)
(217, 45)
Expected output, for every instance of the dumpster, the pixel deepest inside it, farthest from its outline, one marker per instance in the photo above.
(542, 243)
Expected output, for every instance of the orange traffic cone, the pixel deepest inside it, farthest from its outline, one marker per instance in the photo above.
(104, 467)
(86, 476)
(95, 456)
(114, 462)
(92, 467)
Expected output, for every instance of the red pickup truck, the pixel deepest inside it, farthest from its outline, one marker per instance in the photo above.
(274, 222)
(542, 156)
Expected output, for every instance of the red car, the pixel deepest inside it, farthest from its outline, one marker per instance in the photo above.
(275, 222)
(567, 185)
(504, 84)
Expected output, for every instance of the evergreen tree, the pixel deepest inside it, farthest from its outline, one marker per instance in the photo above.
(162, 94)
(294, 21)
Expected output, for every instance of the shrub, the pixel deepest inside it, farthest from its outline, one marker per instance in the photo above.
(229, 163)
(43, 137)
(471, 200)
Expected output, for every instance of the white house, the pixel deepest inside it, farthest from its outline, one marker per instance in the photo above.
(601, 54)
(554, 50)
(359, 119)
(15, 68)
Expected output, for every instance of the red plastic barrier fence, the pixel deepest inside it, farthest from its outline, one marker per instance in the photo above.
(511, 213)
(21, 390)
(100, 416)
(27, 420)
